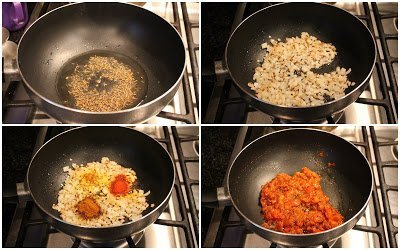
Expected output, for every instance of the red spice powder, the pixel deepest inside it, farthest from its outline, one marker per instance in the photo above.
(120, 185)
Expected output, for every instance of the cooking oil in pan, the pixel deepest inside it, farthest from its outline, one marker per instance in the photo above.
(102, 81)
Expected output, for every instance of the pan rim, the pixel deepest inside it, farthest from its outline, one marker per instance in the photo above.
(166, 199)
(253, 224)
(253, 96)
(138, 107)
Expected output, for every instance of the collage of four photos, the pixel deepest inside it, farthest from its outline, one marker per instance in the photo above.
(200, 124)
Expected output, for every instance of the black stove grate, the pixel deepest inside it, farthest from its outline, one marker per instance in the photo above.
(24, 221)
(188, 182)
(193, 49)
(384, 38)
(10, 104)
(379, 230)
(386, 100)
(223, 101)
(189, 116)
(384, 187)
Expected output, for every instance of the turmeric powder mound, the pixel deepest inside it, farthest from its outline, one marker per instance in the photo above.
(89, 179)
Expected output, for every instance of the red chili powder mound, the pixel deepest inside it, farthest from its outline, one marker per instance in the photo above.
(297, 205)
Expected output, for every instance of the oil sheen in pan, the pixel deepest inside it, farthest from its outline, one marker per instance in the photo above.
(140, 88)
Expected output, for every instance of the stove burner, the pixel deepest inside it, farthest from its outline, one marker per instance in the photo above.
(118, 243)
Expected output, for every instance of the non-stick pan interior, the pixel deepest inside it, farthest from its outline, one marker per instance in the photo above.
(354, 44)
(348, 184)
(118, 28)
(127, 147)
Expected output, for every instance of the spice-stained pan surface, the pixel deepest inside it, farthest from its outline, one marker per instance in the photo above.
(128, 147)
(354, 44)
(348, 184)
(135, 36)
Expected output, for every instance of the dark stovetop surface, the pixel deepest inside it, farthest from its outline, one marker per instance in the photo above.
(219, 143)
(18, 147)
(217, 19)
(18, 144)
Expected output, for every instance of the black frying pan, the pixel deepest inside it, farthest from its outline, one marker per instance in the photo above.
(353, 41)
(128, 147)
(348, 184)
(114, 28)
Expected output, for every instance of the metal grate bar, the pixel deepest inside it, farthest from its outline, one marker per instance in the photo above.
(36, 222)
(77, 243)
(191, 159)
(367, 229)
(170, 223)
(385, 16)
(190, 138)
(20, 103)
(391, 37)
(192, 48)
(175, 116)
(45, 236)
(387, 143)
(224, 224)
(390, 165)
(131, 243)
(15, 228)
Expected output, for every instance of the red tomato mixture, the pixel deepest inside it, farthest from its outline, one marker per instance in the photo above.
(297, 205)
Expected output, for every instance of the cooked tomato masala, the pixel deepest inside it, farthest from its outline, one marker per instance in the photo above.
(297, 205)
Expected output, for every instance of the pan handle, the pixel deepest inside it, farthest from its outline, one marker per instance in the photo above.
(215, 198)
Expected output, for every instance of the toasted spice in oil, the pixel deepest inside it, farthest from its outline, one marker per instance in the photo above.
(103, 84)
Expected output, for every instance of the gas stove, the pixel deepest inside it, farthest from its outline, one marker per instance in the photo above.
(377, 104)
(378, 227)
(23, 225)
(183, 109)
